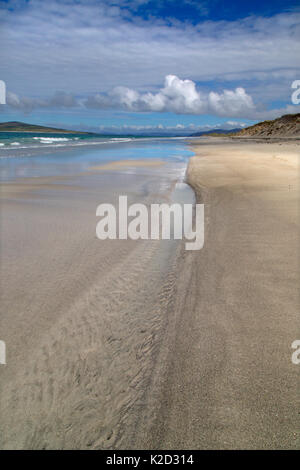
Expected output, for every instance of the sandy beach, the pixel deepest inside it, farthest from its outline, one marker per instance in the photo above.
(141, 344)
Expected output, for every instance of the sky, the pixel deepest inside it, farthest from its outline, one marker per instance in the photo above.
(148, 66)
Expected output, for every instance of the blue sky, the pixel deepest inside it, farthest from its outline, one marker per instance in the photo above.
(147, 65)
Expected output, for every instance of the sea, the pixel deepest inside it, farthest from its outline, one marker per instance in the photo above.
(30, 154)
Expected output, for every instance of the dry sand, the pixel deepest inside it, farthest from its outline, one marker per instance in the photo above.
(230, 381)
(142, 344)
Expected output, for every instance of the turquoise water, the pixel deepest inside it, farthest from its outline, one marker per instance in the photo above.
(65, 158)
(13, 139)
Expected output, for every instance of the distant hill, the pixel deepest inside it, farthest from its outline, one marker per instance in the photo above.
(214, 132)
(15, 126)
(285, 126)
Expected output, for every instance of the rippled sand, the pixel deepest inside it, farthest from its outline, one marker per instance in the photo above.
(83, 319)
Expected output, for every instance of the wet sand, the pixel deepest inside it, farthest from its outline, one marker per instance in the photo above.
(230, 382)
(129, 164)
(82, 318)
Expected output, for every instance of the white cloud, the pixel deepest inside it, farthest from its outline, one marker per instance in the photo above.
(181, 97)
(177, 95)
(231, 103)
(59, 100)
(178, 129)
(124, 97)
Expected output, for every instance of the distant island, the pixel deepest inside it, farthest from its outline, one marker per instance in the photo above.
(284, 126)
(15, 126)
(214, 132)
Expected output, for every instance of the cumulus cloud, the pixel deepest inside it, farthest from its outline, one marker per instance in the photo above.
(231, 103)
(182, 97)
(178, 96)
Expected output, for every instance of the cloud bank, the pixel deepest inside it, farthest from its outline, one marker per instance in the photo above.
(151, 130)
(177, 96)
(160, 129)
